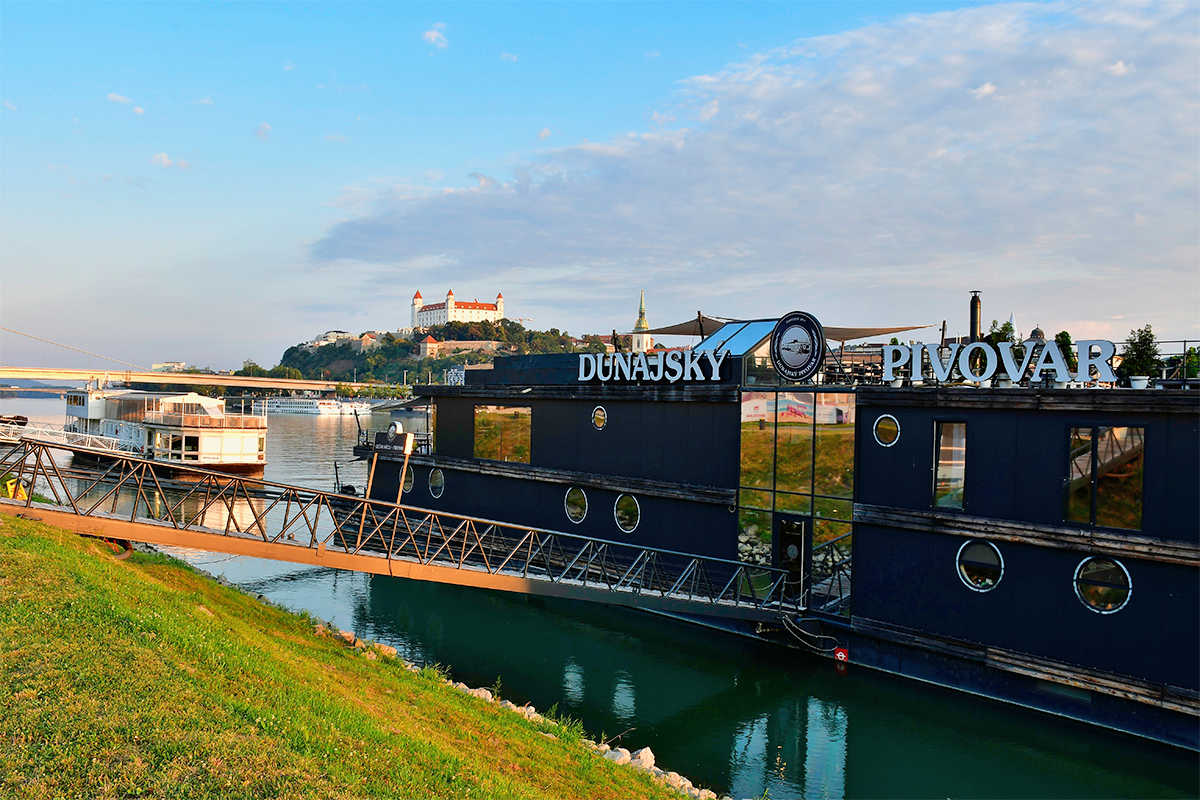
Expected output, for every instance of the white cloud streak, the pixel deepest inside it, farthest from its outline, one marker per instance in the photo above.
(858, 176)
(435, 37)
(508, 57)
(263, 132)
(116, 98)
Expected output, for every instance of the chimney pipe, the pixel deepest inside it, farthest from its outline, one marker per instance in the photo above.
(976, 316)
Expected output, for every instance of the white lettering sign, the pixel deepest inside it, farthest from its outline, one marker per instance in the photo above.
(994, 360)
(670, 366)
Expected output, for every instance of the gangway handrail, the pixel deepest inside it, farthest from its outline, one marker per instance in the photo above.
(382, 531)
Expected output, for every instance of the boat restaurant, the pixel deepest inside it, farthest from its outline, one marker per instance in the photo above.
(997, 519)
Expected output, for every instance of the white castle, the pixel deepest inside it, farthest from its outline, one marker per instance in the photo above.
(423, 316)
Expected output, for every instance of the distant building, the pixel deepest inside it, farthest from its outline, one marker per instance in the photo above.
(169, 366)
(368, 341)
(428, 347)
(432, 348)
(424, 316)
(328, 337)
(642, 341)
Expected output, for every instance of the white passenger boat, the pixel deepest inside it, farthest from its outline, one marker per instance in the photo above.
(187, 429)
(316, 406)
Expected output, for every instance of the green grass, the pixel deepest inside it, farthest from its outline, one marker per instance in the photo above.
(144, 678)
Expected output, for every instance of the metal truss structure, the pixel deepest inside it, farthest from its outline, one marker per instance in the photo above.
(127, 500)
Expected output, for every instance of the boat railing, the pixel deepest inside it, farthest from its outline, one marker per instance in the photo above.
(831, 571)
(205, 421)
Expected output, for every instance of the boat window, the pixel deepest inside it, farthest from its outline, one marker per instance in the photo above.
(437, 482)
(720, 336)
(886, 430)
(576, 504)
(599, 418)
(409, 479)
(949, 478)
(627, 512)
(1103, 585)
(833, 461)
(1104, 476)
(980, 565)
(758, 440)
(794, 441)
(502, 433)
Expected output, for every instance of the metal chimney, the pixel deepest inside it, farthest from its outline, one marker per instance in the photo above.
(976, 316)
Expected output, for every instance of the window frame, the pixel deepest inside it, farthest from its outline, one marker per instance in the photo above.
(933, 472)
(616, 519)
(1094, 429)
(958, 565)
(567, 508)
(1089, 606)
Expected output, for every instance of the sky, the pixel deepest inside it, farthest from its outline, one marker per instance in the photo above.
(211, 183)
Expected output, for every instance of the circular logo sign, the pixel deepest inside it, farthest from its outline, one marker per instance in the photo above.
(798, 346)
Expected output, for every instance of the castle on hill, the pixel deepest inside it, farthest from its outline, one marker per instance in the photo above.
(424, 316)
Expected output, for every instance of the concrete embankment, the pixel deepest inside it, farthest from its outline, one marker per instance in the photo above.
(143, 676)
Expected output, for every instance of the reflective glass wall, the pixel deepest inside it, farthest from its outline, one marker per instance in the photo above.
(797, 457)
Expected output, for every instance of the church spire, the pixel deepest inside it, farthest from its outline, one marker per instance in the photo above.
(641, 324)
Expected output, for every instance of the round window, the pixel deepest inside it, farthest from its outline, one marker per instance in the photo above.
(887, 430)
(627, 512)
(576, 504)
(437, 482)
(1103, 585)
(599, 418)
(408, 479)
(980, 565)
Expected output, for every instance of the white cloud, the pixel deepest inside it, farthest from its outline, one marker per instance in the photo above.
(334, 137)
(263, 131)
(435, 37)
(139, 110)
(116, 98)
(653, 54)
(985, 90)
(203, 101)
(507, 57)
(807, 191)
(288, 66)
(11, 107)
(485, 181)
(1121, 68)
(183, 164)
(161, 160)
(545, 133)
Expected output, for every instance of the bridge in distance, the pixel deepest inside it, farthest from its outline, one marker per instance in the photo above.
(173, 378)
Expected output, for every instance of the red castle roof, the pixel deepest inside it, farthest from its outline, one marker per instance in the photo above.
(417, 296)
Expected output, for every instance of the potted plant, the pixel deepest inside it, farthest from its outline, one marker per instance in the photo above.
(1139, 357)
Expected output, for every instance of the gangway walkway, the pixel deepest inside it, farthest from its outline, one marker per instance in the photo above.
(11, 433)
(241, 516)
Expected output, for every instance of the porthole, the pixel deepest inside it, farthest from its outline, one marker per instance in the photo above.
(980, 565)
(409, 479)
(437, 482)
(575, 504)
(887, 430)
(599, 418)
(1103, 585)
(627, 512)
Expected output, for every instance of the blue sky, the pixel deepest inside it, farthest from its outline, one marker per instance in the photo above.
(217, 182)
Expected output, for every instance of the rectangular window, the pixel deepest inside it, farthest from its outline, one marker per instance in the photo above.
(834, 461)
(502, 433)
(948, 481)
(794, 442)
(758, 440)
(1104, 477)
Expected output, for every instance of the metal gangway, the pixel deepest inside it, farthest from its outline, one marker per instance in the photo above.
(128, 501)
(11, 433)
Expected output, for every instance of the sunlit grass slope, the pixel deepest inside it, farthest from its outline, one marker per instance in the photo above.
(143, 677)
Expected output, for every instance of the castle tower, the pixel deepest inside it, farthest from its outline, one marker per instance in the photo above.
(450, 306)
(499, 306)
(642, 340)
(417, 303)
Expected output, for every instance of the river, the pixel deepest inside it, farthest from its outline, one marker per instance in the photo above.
(736, 716)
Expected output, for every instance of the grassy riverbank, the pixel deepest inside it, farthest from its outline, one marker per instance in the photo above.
(144, 678)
